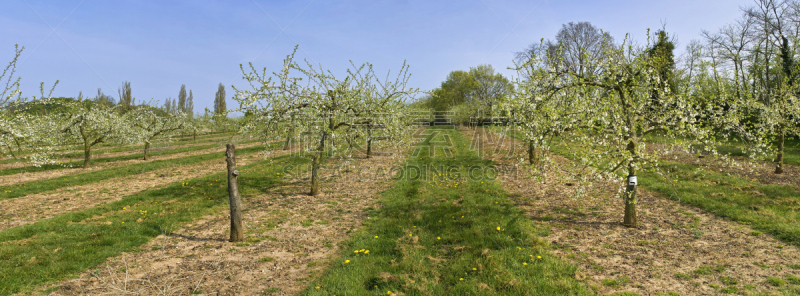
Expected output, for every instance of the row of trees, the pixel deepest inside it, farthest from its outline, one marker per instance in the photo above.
(328, 115)
(610, 101)
(36, 129)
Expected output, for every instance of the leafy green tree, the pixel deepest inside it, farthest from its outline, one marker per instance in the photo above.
(470, 93)
(663, 60)
(126, 101)
(190, 105)
(219, 101)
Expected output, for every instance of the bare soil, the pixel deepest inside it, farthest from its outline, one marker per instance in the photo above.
(25, 177)
(291, 238)
(675, 248)
(29, 209)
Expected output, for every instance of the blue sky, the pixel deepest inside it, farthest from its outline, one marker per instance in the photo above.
(159, 45)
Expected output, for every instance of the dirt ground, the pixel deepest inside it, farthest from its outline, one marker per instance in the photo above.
(50, 174)
(291, 237)
(36, 207)
(676, 248)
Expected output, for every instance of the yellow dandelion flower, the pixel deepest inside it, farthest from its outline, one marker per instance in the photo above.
(524, 263)
(498, 228)
(376, 236)
(438, 237)
(460, 279)
(346, 261)
(539, 257)
(474, 268)
(317, 287)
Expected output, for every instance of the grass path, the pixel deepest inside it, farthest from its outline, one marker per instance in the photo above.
(50, 204)
(290, 239)
(18, 190)
(447, 237)
(25, 177)
(55, 249)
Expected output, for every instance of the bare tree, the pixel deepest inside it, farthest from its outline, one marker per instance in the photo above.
(731, 43)
(581, 46)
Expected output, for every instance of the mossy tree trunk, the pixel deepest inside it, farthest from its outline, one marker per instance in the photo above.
(531, 153)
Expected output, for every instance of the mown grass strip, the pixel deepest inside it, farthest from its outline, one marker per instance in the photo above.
(96, 161)
(17, 190)
(771, 209)
(447, 237)
(64, 246)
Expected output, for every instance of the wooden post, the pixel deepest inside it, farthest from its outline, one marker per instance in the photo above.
(237, 232)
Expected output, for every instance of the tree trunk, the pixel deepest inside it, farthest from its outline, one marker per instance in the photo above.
(146, 149)
(630, 200)
(87, 148)
(194, 136)
(315, 166)
(19, 146)
(237, 232)
(779, 159)
(87, 154)
(288, 141)
(11, 151)
(369, 142)
(531, 152)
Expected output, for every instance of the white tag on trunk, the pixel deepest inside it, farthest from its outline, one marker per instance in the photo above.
(632, 180)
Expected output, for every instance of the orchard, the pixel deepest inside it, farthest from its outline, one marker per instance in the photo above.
(602, 166)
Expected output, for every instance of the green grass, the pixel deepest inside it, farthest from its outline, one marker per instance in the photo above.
(776, 213)
(431, 239)
(18, 190)
(97, 161)
(64, 246)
